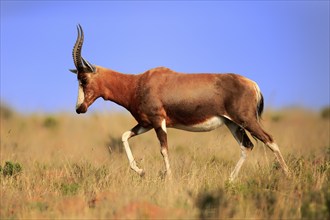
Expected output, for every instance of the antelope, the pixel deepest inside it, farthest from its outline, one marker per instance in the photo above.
(161, 98)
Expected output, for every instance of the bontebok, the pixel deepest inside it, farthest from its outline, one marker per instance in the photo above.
(161, 98)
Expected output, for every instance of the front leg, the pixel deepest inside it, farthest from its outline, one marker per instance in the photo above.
(162, 137)
(138, 129)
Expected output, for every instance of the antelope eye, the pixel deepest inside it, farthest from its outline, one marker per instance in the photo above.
(83, 82)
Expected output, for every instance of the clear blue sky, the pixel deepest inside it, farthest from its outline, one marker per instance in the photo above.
(284, 46)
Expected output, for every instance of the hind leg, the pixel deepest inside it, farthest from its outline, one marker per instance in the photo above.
(245, 144)
(256, 131)
(276, 150)
(161, 132)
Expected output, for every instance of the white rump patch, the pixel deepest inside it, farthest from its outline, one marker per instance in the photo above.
(208, 125)
(81, 96)
(258, 93)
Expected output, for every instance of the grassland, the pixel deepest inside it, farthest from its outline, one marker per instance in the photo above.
(70, 166)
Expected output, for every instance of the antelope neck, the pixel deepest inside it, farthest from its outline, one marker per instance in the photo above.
(119, 87)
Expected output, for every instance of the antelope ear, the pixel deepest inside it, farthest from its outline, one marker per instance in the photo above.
(90, 67)
(74, 71)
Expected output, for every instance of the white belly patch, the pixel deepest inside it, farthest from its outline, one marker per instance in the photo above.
(208, 125)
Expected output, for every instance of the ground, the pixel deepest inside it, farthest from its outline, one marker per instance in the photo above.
(73, 166)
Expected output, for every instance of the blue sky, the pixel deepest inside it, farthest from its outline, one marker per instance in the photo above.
(283, 46)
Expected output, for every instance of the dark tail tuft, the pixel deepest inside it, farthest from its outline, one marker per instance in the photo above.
(260, 106)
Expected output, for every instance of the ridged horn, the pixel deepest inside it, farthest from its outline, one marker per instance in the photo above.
(76, 53)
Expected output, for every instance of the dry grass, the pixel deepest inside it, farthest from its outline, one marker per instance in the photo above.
(74, 167)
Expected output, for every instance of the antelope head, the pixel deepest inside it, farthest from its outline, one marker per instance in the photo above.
(86, 74)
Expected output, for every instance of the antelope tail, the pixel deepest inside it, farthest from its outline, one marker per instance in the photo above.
(260, 106)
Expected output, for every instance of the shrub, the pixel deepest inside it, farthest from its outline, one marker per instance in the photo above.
(5, 111)
(69, 189)
(11, 168)
(215, 204)
(115, 145)
(50, 122)
(41, 206)
(316, 204)
(325, 112)
(276, 117)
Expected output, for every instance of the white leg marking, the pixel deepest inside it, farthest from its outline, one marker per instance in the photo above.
(244, 153)
(127, 135)
(81, 96)
(163, 125)
(167, 162)
(276, 150)
(273, 147)
(129, 154)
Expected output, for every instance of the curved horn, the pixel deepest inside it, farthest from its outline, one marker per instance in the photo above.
(76, 53)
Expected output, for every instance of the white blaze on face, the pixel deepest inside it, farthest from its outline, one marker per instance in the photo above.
(81, 96)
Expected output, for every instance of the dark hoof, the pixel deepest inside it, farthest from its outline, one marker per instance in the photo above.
(142, 174)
